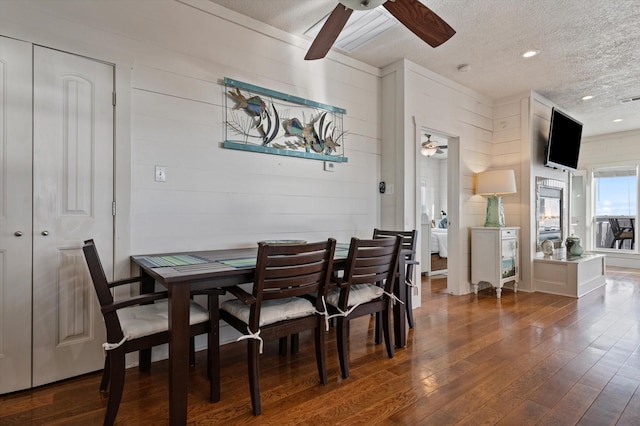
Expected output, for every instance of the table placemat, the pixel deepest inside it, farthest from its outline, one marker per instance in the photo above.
(342, 251)
(169, 261)
(245, 262)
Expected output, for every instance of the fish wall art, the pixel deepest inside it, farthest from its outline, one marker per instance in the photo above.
(263, 120)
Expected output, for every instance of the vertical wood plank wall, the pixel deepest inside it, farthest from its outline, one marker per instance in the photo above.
(448, 108)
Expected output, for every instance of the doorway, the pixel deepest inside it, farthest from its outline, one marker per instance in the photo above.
(433, 202)
(456, 283)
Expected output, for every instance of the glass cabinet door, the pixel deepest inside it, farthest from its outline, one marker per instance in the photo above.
(509, 258)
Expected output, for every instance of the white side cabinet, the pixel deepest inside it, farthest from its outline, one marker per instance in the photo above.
(494, 257)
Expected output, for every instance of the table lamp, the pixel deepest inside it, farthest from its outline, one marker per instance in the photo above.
(494, 183)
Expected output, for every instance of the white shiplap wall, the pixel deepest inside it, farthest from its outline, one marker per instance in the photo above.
(222, 198)
(509, 152)
(415, 97)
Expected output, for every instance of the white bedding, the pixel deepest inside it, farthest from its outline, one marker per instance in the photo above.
(439, 241)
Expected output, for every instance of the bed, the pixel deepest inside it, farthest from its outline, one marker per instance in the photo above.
(439, 249)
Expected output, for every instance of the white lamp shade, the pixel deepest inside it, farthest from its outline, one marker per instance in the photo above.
(496, 182)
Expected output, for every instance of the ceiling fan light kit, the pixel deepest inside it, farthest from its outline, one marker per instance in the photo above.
(430, 148)
(418, 18)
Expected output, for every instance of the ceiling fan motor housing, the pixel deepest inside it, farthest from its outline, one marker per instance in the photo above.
(362, 4)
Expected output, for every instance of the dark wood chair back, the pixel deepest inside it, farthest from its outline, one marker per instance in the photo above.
(370, 263)
(117, 346)
(409, 241)
(103, 291)
(299, 272)
(284, 271)
(409, 238)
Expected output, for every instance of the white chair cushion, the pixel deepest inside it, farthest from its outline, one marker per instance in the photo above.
(358, 293)
(144, 320)
(271, 311)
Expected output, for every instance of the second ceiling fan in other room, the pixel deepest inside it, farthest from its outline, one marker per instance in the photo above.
(411, 13)
(430, 147)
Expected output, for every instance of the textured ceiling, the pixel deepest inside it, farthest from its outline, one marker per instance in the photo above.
(587, 47)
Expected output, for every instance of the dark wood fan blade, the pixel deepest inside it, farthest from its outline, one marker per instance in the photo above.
(329, 32)
(421, 21)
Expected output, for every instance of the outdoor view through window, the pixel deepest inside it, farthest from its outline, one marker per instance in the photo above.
(616, 207)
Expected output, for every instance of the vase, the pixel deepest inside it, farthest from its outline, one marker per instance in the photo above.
(570, 241)
(547, 248)
(576, 249)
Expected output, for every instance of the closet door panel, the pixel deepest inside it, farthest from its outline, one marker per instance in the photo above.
(15, 215)
(73, 195)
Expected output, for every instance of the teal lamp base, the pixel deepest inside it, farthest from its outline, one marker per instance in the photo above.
(495, 213)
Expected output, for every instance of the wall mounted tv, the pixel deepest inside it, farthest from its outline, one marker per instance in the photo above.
(563, 146)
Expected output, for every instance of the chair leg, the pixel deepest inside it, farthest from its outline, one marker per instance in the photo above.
(321, 352)
(116, 361)
(253, 353)
(282, 345)
(377, 329)
(341, 338)
(104, 383)
(192, 352)
(295, 343)
(408, 306)
(213, 349)
(386, 329)
(144, 363)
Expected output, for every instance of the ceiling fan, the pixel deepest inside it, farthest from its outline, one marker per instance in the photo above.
(429, 147)
(411, 13)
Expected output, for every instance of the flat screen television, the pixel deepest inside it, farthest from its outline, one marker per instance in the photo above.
(563, 146)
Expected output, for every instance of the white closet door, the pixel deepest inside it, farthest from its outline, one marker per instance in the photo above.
(72, 201)
(15, 215)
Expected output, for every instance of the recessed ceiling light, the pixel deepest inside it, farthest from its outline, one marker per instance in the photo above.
(586, 98)
(617, 120)
(530, 53)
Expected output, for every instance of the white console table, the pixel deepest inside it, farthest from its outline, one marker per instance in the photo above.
(568, 276)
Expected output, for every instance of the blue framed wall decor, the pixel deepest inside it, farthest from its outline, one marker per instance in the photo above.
(265, 121)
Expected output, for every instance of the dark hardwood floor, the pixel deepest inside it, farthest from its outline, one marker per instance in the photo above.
(530, 358)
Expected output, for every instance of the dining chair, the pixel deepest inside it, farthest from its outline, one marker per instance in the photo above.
(140, 323)
(365, 288)
(276, 307)
(409, 241)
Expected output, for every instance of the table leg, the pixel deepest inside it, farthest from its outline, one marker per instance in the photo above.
(399, 309)
(178, 352)
(147, 285)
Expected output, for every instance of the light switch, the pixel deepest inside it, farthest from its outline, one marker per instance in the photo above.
(161, 173)
(390, 188)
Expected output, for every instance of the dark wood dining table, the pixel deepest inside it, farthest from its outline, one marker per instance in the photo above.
(184, 272)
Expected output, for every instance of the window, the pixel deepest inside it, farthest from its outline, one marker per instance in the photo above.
(615, 207)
